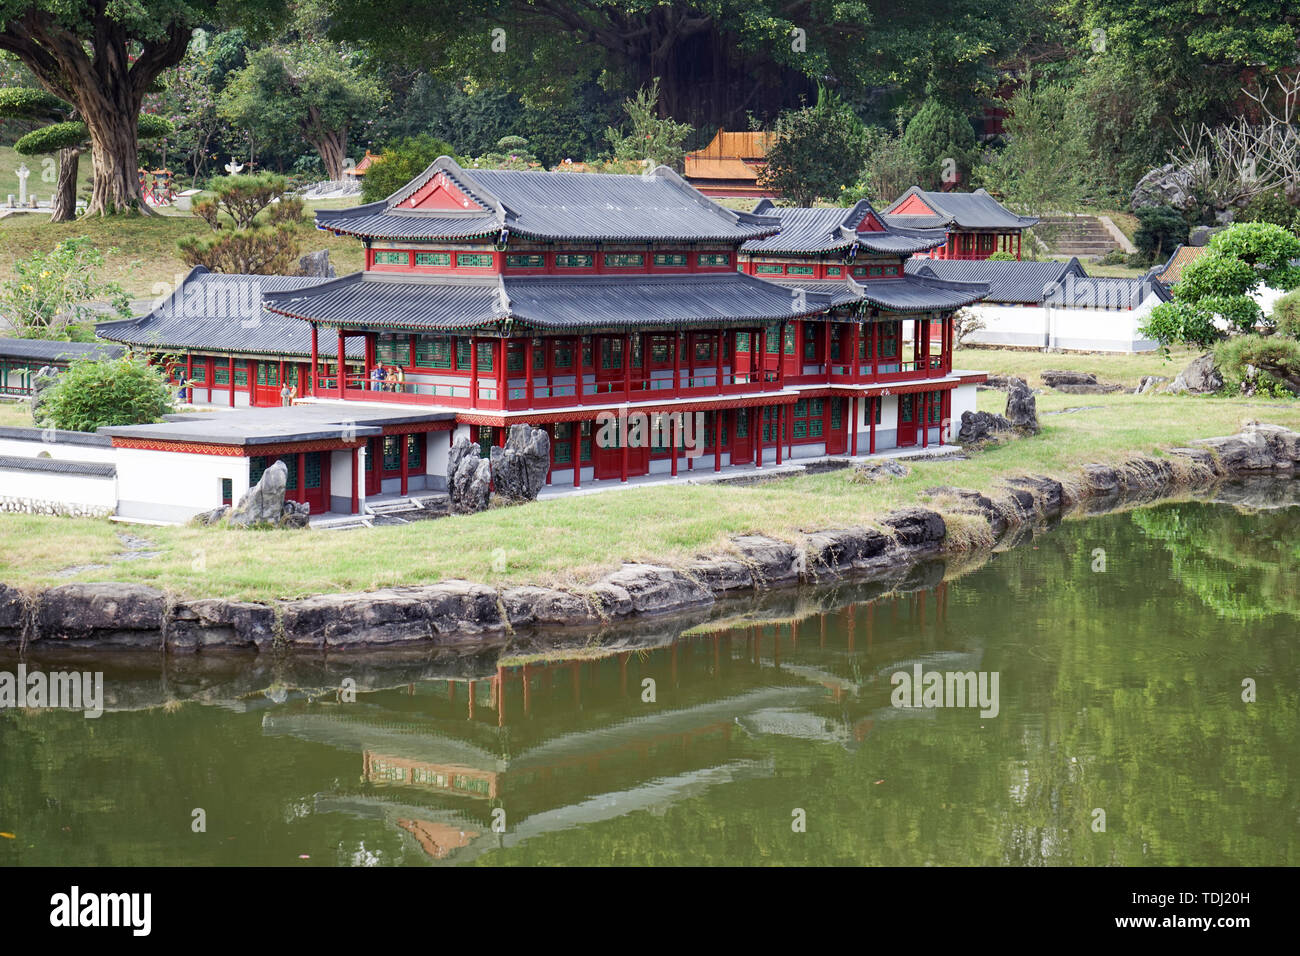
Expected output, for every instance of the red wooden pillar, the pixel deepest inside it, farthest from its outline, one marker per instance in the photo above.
(314, 355)
(230, 370)
(762, 357)
(717, 373)
(356, 479)
(758, 437)
(853, 425)
(402, 441)
(674, 429)
(855, 366)
(576, 451)
(1017, 245)
(577, 364)
(925, 419)
(826, 346)
(872, 405)
(677, 365)
(473, 372)
(780, 426)
(499, 350)
(717, 440)
(875, 349)
(627, 374)
(528, 371)
(343, 364)
(300, 487)
(780, 361)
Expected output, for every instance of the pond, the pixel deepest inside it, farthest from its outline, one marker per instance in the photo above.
(1139, 675)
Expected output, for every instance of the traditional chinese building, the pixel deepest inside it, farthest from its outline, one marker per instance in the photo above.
(491, 298)
(730, 165)
(976, 224)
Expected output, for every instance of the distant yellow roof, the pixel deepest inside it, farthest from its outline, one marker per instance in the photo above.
(1173, 271)
(730, 156)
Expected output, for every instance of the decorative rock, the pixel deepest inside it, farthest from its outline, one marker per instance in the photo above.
(1166, 185)
(1077, 383)
(1022, 407)
(973, 502)
(981, 426)
(45, 378)
(12, 608)
(1047, 493)
(1149, 382)
(1199, 378)
(1247, 451)
(871, 471)
(392, 616)
(295, 514)
(316, 264)
(469, 478)
(1101, 480)
(519, 469)
(210, 517)
(263, 504)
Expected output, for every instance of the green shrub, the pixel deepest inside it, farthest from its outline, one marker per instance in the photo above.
(399, 163)
(1160, 230)
(1286, 314)
(1002, 257)
(94, 392)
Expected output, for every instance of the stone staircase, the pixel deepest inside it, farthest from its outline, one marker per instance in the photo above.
(1081, 236)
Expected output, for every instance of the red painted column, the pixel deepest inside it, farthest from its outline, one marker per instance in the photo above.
(503, 376)
(853, 351)
(356, 480)
(1017, 246)
(406, 465)
(717, 372)
(473, 372)
(576, 451)
(341, 380)
(230, 369)
(300, 487)
(872, 405)
(528, 371)
(577, 364)
(826, 348)
(627, 380)
(758, 437)
(875, 350)
(853, 425)
(677, 366)
(780, 425)
(925, 419)
(943, 413)
(674, 430)
(314, 357)
(762, 358)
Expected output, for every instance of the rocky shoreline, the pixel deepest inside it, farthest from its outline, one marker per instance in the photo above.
(961, 520)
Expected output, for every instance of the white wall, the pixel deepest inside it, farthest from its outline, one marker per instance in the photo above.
(1042, 327)
(175, 486)
(62, 450)
(50, 492)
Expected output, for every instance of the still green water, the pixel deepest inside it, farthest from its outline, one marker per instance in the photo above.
(770, 739)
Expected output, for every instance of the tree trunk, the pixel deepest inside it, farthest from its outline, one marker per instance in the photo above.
(332, 147)
(116, 183)
(65, 195)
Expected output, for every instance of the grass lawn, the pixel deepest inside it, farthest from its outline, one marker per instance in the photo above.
(141, 250)
(1116, 369)
(15, 414)
(575, 540)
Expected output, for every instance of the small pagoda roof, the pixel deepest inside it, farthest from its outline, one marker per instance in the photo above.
(974, 210)
(308, 421)
(830, 230)
(1020, 281)
(218, 312)
(905, 294)
(45, 350)
(448, 202)
(446, 303)
(1172, 270)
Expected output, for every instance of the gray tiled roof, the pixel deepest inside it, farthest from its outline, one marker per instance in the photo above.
(906, 294)
(215, 312)
(811, 231)
(600, 207)
(44, 350)
(1007, 281)
(547, 302)
(976, 210)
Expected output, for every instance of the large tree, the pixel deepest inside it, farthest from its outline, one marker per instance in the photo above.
(717, 60)
(103, 56)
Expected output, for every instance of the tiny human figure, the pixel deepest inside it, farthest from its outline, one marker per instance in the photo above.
(395, 377)
(377, 378)
(286, 396)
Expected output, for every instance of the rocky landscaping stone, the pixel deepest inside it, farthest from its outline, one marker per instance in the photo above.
(883, 470)
(840, 551)
(530, 606)
(1047, 493)
(654, 590)
(1022, 407)
(981, 427)
(263, 504)
(519, 469)
(12, 609)
(469, 478)
(720, 573)
(770, 561)
(1199, 378)
(916, 527)
(218, 623)
(128, 615)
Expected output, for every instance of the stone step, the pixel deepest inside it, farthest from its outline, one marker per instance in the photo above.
(400, 506)
(341, 523)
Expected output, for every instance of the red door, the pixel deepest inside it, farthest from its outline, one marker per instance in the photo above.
(907, 408)
(266, 391)
(374, 479)
(836, 431)
(742, 446)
